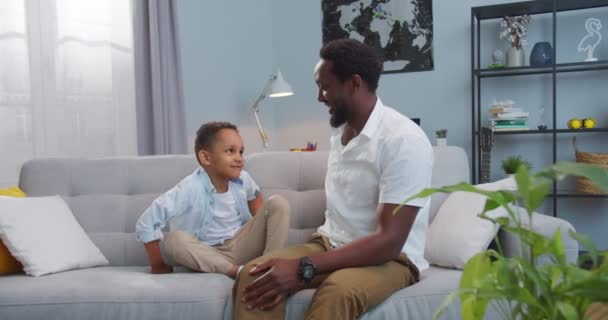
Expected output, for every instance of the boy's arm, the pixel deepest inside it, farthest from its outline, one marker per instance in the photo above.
(256, 204)
(149, 226)
(157, 264)
(254, 196)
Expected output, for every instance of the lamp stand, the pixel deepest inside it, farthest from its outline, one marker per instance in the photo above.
(256, 110)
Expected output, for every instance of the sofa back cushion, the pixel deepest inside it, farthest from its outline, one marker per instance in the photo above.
(108, 195)
(300, 178)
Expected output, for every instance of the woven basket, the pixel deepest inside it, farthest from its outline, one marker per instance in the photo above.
(584, 185)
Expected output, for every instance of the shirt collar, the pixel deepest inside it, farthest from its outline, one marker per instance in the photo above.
(371, 125)
(207, 181)
(373, 122)
(200, 172)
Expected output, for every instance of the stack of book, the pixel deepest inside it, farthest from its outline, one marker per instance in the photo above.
(504, 116)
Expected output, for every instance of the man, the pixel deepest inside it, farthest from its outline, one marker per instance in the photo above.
(364, 252)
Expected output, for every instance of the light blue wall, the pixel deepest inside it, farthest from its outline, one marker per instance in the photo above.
(442, 98)
(227, 55)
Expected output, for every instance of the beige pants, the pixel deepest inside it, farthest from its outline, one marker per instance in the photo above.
(343, 294)
(264, 233)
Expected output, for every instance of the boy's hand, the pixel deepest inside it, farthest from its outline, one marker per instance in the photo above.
(157, 265)
(158, 269)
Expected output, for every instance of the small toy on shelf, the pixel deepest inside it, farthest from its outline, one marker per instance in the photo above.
(309, 147)
(588, 123)
(575, 123)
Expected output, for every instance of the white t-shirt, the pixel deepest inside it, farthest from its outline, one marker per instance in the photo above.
(389, 161)
(225, 222)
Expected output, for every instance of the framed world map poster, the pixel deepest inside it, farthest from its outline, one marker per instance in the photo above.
(401, 30)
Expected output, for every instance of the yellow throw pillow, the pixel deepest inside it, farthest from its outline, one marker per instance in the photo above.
(13, 191)
(8, 264)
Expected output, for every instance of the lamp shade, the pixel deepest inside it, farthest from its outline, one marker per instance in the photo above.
(279, 87)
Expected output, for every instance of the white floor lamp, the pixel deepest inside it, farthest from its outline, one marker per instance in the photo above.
(275, 87)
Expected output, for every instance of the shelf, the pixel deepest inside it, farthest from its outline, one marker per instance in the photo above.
(549, 131)
(559, 68)
(576, 195)
(533, 7)
(551, 11)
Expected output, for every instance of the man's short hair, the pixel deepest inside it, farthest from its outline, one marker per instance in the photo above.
(207, 133)
(352, 57)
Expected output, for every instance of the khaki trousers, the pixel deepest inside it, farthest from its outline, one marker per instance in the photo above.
(264, 233)
(342, 294)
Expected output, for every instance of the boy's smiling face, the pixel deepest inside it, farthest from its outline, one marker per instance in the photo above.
(225, 159)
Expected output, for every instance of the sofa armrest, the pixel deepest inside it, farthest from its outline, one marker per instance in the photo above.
(546, 226)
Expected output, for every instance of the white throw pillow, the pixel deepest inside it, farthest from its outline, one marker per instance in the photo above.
(458, 233)
(42, 233)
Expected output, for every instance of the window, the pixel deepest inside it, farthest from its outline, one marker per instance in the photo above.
(66, 81)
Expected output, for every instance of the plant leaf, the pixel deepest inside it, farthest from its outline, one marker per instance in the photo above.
(473, 276)
(593, 288)
(567, 310)
(595, 173)
(557, 247)
(532, 189)
(587, 244)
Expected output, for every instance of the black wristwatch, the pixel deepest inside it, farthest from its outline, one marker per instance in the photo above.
(307, 270)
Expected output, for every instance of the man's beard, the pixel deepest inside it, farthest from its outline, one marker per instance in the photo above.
(340, 116)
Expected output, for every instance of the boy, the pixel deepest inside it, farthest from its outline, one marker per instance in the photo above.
(217, 217)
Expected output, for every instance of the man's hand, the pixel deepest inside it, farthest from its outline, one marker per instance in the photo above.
(161, 268)
(278, 282)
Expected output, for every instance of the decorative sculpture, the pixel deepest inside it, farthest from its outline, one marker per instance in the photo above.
(592, 39)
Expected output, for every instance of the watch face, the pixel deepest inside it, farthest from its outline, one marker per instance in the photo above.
(308, 272)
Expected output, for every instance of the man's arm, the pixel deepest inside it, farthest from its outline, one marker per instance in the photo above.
(280, 278)
(378, 248)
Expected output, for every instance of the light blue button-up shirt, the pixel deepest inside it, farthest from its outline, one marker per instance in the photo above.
(189, 206)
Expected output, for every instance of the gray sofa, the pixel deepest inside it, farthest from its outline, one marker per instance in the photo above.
(108, 195)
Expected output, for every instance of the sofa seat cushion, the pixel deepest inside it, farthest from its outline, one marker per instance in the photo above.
(412, 303)
(114, 293)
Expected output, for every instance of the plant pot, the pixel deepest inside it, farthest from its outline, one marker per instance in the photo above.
(541, 55)
(442, 142)
(516, 57)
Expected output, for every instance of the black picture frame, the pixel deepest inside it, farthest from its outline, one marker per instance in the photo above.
(409, 42)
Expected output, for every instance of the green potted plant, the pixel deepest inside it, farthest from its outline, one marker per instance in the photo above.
(517, 287)
(510, 164)
(441, 136)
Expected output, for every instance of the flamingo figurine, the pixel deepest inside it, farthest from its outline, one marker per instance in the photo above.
(592, 39)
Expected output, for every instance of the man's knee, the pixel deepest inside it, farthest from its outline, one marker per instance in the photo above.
(244, 278)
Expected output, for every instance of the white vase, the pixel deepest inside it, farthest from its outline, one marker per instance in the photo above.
(442, 142)
(516, 57)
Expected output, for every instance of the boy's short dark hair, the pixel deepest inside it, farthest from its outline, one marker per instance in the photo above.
(206, 134)
(352, 57)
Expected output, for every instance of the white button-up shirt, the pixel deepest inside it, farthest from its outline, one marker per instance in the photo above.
(389, 161)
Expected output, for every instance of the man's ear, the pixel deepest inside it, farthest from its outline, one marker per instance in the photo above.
(356, 81)
(204, 157)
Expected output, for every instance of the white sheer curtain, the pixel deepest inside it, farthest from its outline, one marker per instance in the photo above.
(66, 81)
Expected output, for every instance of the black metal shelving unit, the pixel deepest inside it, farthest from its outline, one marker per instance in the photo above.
(478, 73)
